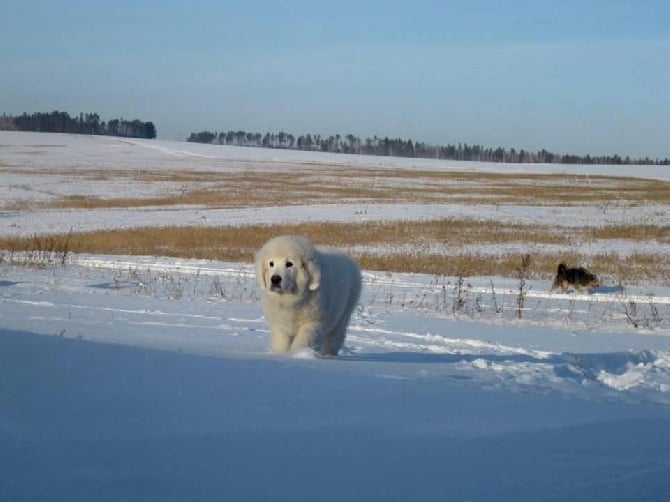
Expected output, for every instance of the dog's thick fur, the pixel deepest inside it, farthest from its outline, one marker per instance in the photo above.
(576, 277)
(308, 294)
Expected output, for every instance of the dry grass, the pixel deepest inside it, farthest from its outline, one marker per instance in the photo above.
(611, 269)
(438, 247)
(640, 233)
(324, 184)
(199, 242)
(376, 245)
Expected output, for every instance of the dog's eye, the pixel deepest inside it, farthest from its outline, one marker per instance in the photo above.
(289, 264)
(272, 264)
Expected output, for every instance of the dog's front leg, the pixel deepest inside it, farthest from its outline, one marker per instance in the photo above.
(307, 336)
(280, 342)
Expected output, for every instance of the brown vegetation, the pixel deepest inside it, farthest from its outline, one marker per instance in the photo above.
(325, 184)
(435, 247)
(449, 246)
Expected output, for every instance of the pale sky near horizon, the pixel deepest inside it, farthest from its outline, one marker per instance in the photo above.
(569, 76)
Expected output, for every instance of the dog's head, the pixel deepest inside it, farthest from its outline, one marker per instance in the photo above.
(592, 280)
(288, 265)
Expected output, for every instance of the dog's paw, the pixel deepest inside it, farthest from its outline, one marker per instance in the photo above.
(303, 353)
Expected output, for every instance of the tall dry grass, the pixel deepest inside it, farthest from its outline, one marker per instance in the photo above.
(382, 246)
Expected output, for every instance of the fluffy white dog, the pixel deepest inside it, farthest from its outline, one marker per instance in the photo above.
(307, 292)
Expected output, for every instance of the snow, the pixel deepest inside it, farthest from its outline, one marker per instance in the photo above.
(45, 167)
(149, 378)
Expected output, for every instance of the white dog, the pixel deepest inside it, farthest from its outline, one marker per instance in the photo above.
(308, 294)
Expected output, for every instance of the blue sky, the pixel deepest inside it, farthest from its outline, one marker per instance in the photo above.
(569, 76)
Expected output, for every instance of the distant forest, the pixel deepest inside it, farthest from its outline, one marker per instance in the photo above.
(406, 148)
(86, 123)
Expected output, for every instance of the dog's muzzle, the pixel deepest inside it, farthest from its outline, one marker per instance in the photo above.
(275, 283)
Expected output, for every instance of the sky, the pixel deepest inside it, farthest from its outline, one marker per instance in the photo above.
(575, 76)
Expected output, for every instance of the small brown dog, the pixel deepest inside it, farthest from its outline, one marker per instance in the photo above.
(576, 277)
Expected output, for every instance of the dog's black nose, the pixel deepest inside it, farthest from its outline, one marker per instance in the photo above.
(275, 280)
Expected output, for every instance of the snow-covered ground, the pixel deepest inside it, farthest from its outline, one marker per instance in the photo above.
(41, 168)
(148, 378)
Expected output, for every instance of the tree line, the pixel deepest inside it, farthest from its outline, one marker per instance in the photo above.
(397, 147)
(85, 123)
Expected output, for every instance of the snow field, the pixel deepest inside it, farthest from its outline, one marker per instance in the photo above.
(149, 378)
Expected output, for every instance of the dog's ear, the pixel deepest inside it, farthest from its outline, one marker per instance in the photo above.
(261, 271)
(313, 273)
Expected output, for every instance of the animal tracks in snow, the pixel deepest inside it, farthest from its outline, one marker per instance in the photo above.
(406, 326)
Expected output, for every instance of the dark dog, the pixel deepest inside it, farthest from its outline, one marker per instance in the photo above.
(576, 277)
